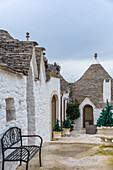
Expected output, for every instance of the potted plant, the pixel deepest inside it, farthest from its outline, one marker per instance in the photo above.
(57, 130)
(66, 127)
(73, 112)
(105, 121)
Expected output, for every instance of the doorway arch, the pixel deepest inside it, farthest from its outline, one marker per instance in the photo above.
(87, 115)
(54, 104)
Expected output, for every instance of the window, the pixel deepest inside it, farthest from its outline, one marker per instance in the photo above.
(10, 109)
(107, 80)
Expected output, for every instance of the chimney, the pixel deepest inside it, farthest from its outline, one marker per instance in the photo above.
(107, 90)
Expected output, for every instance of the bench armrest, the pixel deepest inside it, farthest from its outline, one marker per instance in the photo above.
(34, 136)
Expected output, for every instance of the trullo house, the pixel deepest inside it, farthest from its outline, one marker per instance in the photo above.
(29, 89)
(92, 90)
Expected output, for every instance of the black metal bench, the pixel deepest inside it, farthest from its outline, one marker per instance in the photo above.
(18, 153)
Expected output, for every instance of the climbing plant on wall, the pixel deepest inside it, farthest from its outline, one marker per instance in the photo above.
(106, 117)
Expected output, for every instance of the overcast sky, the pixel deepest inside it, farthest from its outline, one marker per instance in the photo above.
(70, 30)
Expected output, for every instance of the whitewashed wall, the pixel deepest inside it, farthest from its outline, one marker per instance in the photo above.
(17, 87)
(30, 98)
(12, 86)
(43, 96)
(64, 97)
(96, 115)
(107, 90)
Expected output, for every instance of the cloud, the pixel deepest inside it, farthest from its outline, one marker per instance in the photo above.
(71, 31)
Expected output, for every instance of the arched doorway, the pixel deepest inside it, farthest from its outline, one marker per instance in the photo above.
(54, 110)
(87, 115)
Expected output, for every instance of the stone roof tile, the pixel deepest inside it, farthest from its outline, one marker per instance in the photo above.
(64, 85)
(14, 54)
(4, 35)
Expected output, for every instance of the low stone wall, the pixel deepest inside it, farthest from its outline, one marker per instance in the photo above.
(105, 131)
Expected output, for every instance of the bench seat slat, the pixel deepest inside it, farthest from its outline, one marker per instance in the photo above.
(16, 155)
(21, 154)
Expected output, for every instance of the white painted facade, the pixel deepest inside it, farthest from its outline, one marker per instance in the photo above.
(32, 100)
(44, 92)
(65, 98)
(12, 86)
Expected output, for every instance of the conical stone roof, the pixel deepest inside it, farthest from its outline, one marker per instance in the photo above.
(91, 85)
(4, 35)
(15, 55)
(64, 85)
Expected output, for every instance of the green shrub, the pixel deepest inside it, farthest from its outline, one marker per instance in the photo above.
(66, 123)
(72, 110)
(105, 118)
(57, 127)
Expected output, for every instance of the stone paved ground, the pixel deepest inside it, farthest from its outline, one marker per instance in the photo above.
(72, 153)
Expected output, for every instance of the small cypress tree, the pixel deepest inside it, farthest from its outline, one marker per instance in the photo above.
(66, 123)
(105, 118)
(57, 127)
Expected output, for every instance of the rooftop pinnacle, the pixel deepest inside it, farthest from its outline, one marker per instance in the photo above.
(95, 61)
(27, 36)
(95, 56)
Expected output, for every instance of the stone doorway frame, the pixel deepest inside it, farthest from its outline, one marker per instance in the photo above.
(55, 112)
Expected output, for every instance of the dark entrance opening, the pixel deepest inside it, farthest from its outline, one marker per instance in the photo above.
(54, 110)
(87, 116)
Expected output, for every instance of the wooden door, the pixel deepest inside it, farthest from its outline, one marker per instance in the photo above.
(87, 115)
(53, 112)
(64, 110)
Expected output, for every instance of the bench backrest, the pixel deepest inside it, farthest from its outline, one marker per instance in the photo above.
(11, 137)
